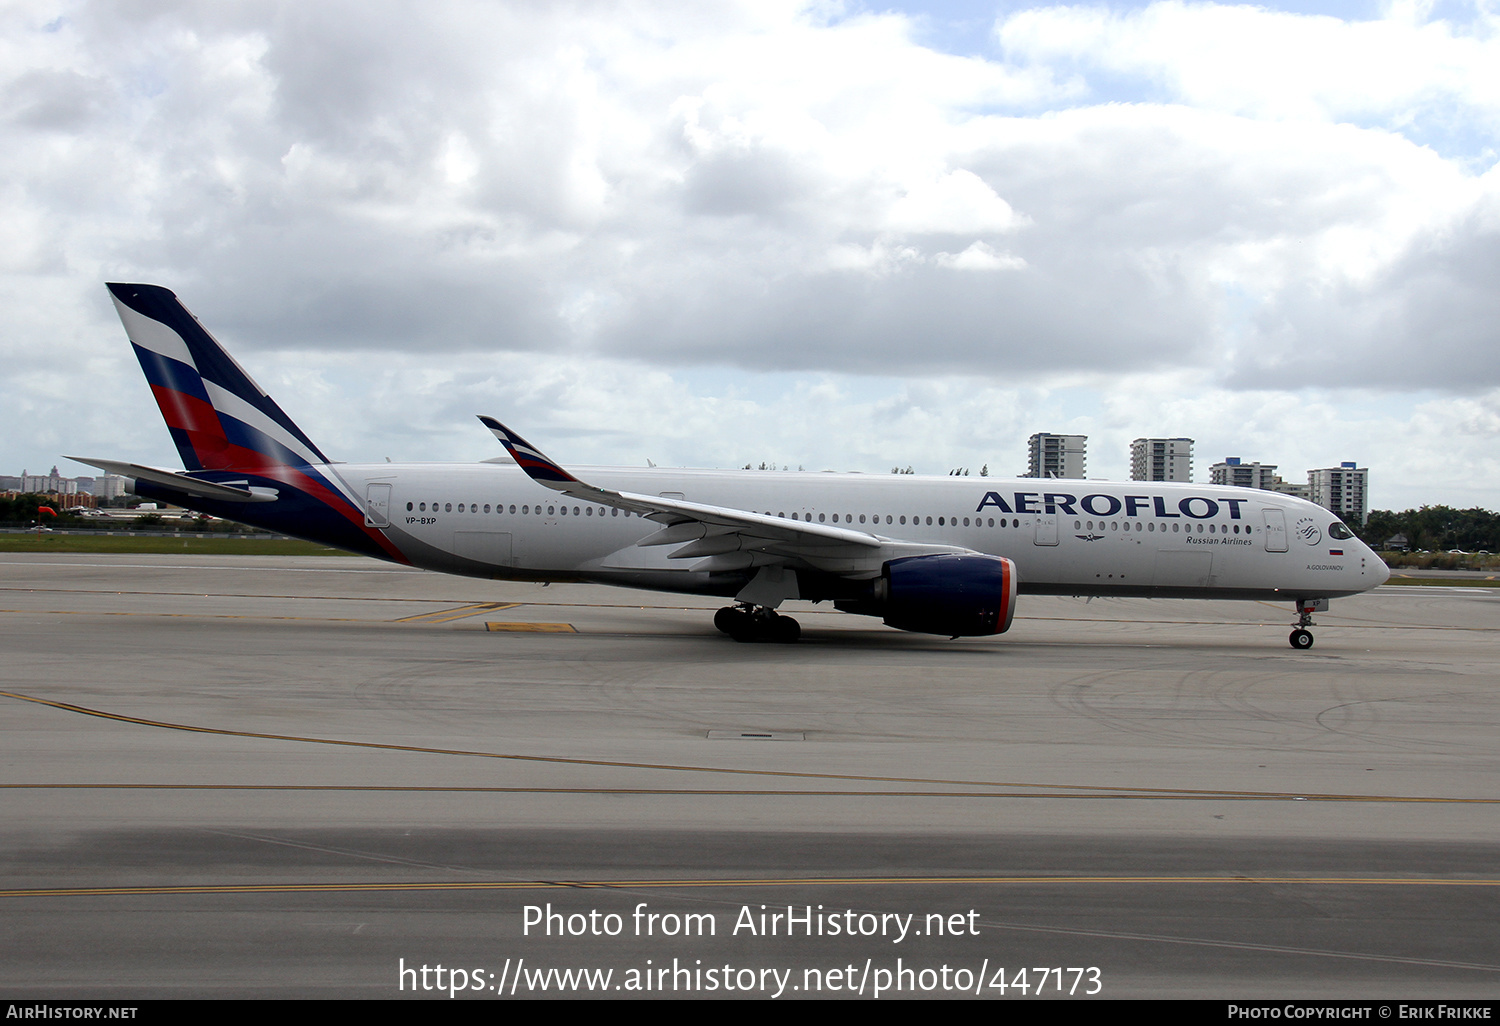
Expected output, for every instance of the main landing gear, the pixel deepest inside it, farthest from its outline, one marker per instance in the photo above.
(757, 623)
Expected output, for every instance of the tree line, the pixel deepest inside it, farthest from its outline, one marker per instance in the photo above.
(1435, 529)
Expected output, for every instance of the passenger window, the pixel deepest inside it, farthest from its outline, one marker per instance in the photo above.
(448, 507)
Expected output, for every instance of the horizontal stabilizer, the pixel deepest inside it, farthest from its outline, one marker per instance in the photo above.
(182, 482)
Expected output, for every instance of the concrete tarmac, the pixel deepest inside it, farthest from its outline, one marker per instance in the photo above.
(283, 777)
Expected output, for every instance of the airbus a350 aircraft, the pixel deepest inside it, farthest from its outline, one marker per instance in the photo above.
(940, 555)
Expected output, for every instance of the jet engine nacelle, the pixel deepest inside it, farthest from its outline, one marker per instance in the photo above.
(948, 594)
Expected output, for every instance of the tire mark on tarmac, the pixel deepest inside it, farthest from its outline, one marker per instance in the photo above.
(1055, 790)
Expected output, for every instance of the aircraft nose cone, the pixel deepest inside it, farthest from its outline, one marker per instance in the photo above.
(1381, 572)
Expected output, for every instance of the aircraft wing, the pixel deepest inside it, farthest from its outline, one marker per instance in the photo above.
(722, 538)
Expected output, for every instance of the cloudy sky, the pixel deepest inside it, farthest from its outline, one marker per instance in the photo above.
(837, 235)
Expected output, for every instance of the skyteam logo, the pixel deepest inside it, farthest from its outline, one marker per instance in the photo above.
(1307, 529)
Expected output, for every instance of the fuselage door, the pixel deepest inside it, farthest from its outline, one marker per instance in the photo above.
(1275, 530)
(1046, 529)
(378, 505)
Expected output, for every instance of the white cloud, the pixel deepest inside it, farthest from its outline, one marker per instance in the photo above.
(1272, 64)
(584, 210)
(980, 257)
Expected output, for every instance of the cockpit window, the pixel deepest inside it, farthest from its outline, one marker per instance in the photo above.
(1339, 531)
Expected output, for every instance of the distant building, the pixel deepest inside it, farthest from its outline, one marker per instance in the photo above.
(109, 486)
(1236, 472)
(1239, 474)
(54, 483)
(1056, 455)
(1161, 459)
(49, 484)
(1343, 490)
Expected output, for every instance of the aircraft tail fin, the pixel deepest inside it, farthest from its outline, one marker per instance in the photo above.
(219, 417)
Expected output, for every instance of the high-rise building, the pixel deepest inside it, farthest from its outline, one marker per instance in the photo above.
(1161, 459)
(109, 486)
(1301, 491)
(48, 484)
(1239, 474)
(1235, 471)
(1343, 490)
(1056, 455)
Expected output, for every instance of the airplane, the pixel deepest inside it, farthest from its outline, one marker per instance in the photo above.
(935, 555)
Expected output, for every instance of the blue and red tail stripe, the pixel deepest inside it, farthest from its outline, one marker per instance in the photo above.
(221, 420)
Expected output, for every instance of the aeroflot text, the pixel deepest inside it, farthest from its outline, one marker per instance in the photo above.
(1101, 505)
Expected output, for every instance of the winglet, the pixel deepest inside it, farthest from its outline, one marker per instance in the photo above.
(538, 467)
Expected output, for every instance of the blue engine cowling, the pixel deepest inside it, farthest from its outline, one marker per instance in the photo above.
(949, 594)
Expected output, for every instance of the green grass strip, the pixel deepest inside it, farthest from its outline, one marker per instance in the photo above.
(206, 545)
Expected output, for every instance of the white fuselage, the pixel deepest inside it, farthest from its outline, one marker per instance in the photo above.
(1064, 536)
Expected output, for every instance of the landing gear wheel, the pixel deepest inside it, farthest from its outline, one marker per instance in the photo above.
(746, 630)
(742, 623)
(1301, 639)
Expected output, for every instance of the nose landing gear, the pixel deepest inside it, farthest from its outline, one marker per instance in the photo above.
(747, 623)
(1301, 637)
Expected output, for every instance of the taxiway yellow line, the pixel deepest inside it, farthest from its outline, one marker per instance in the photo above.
(535, 628)
(444, 615)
